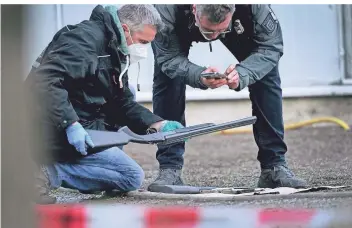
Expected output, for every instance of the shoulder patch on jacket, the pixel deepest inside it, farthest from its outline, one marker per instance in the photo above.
(269, 23)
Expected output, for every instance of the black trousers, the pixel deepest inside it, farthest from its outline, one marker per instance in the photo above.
(266, 97)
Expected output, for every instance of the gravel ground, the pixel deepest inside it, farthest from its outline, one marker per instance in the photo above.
(320, 155)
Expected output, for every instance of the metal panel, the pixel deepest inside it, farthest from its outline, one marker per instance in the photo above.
(311, 55)
(347, 37)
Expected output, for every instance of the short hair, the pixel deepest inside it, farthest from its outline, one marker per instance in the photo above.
(215, 13)
(136, 16)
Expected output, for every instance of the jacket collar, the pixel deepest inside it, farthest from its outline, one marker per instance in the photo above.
(113, 12)
(116, 39)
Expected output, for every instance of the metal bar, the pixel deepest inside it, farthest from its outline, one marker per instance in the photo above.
(347, 81)
(341, 46)
(105, 139)
(346, 11)
(171, 138)
(59, 17)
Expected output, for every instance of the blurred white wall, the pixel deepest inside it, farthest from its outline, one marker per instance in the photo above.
(311, 44)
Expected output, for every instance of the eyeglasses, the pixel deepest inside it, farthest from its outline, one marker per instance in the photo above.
(205, 32)
(209, 32)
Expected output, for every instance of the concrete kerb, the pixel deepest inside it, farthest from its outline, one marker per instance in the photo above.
(214, 197)
(218, 197)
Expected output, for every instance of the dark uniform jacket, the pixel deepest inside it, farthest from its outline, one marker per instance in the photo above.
(73, 80)
(256, 41)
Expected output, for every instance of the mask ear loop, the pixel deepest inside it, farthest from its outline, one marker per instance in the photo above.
(128, 62)
(129, 33)
(139, 70)
(127, 65)
(123, 72)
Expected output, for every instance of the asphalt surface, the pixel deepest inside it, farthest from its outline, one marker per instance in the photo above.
(320, 155)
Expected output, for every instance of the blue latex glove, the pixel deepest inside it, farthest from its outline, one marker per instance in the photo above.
(171, 126)
(79, 138)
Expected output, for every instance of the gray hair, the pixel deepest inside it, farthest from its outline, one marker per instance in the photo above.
(215, 13)
(136, 16)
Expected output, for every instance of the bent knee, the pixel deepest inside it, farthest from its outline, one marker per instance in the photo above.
(134, 179)
(137, 178)
(130, 175)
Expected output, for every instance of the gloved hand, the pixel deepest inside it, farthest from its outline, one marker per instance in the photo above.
(79, 138)
(169, 125)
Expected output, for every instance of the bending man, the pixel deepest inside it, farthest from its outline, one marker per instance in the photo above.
(253, 35)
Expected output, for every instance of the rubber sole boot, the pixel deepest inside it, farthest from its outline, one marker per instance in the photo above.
(166, 177)
(280, 176)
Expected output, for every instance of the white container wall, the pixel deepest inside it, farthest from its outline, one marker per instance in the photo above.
(311, 39)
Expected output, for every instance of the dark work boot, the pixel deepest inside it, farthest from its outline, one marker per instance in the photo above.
(167, 177)
(280, 176)
(42, 189)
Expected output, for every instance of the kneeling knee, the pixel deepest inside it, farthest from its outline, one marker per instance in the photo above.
(135, 179)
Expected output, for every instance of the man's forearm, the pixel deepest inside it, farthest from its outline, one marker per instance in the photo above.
(193, 78)
(269, 41)
(255, 67)
(181, 67)
(157, 125)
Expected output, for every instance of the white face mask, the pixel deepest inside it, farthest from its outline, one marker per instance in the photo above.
(137, 51)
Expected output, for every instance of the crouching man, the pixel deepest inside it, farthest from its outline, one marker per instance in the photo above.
(80, 82)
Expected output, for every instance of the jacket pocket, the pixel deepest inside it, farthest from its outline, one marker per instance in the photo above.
(98, 85)
(94, 103)
(87, 106)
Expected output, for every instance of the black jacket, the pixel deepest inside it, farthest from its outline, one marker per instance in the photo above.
(258, 48)
(73, 81)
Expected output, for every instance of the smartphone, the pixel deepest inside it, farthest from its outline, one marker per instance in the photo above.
(214, 75)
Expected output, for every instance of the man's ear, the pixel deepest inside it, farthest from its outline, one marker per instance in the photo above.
(125, 28)
(194, 9)
(126, 31)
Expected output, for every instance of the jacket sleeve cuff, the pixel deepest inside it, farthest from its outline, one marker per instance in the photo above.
(243, 78)
(67, 120)
(194, 78)
(153, 119)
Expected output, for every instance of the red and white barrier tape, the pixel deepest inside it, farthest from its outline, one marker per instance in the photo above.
(106, 216)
